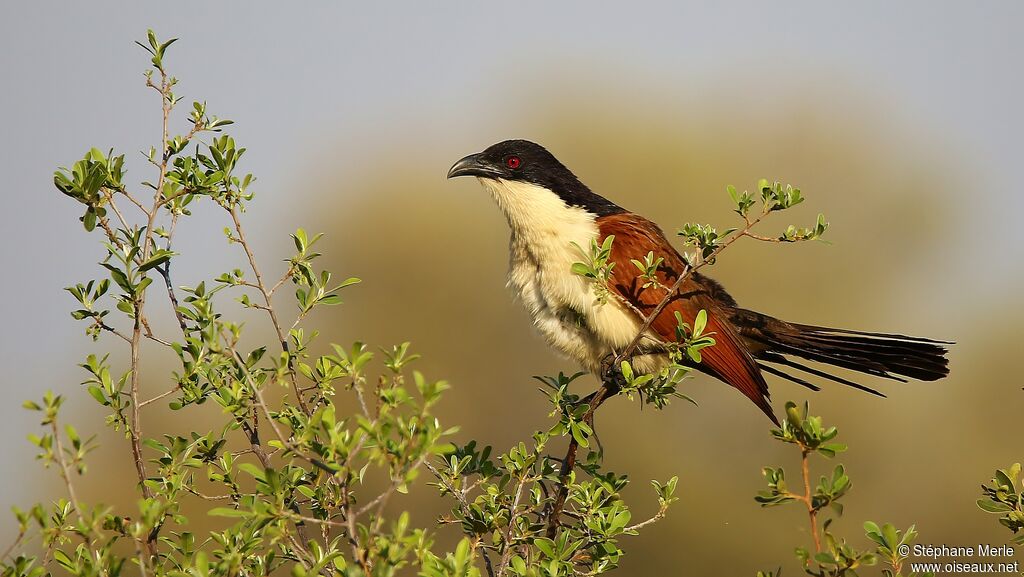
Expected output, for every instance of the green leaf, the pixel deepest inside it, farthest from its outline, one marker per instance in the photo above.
(89, 219)
(226, 512)
(580, 431)
(300, 239)
(546, 546)
(158, 258)
(97, 393)
(700, 322)
(330, 299)
(254, 470)
(993, 506)
(580, 268)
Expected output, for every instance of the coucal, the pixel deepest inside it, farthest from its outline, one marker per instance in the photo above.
(552, 214)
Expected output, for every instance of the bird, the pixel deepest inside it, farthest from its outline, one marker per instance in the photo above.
(553, 216)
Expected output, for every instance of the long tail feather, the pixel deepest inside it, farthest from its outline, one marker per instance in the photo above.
(773, 371)
(781, 360)
(887, 355)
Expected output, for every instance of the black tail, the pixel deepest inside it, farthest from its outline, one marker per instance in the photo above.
(890, 356)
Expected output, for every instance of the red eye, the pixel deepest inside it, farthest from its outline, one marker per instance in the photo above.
(513, 162)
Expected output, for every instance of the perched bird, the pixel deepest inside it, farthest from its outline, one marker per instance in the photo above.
(552, 215)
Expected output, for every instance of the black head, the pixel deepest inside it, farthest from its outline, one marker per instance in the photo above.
(525, 161)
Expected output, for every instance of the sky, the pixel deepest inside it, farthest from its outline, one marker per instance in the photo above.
(331, 88)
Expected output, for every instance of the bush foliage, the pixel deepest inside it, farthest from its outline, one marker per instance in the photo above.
(297, 482)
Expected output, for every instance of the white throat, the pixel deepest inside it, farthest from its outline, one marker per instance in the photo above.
(537, 215)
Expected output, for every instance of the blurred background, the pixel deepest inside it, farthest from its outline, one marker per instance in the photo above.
(900, 121)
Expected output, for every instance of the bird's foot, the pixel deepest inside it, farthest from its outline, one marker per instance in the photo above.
(611, 373)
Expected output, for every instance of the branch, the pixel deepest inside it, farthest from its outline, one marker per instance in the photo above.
(267, 299)
(112, 330)
(287, 275)
(149, 335)
(358, 551)
(382, 498)
(160, 396)
(463, 505)
(261, 403)
(812, 513)
(657, 517)
(133, 200)
(506, 555)
(135, 430)
(208, 497)
(306, 519)
(165, 272)
(113, 205)
(608, 389)
(65, 471)
(10, 549)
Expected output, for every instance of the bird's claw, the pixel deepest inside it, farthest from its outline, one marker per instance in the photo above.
(611, 373)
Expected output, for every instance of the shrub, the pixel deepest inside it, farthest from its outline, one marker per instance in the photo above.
(294, 481)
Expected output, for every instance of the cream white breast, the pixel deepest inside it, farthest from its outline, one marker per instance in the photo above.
(546, 238)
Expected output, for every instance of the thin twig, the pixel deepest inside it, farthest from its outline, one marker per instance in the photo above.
(463, 506)
(165, 272)
(657, 517)
(382, 498)
(113, 205)
(762, 238)
(135, 431)
(112, 330)
(142, 559)
(65, 470)
(233, 211)
(261, 403)
(10, 549)
(808, 500)
(358, 551)
(306, 519)
(506, 554)
(133, 200)
(157, 339)
(301, 550)
(253, 434)
(487, 561)
(160, 396)
(105, 225)
(595, 400)
(208, 497)
(287, 275)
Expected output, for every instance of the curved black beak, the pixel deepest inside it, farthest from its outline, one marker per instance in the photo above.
(473, 165)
